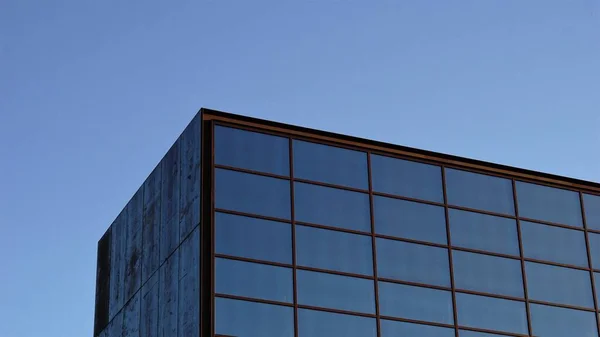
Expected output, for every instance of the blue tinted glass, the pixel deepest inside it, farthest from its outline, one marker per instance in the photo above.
(403, 329)
(491, 313)
(548, 321)
(313, 323)
(249, 319)
(597, 285)
(559, 285)
(549, 204)
(479, 191)
(594, 240)
(332, 207)
(423, 304)
(592, 211)
(335, 291)
(483, 232)
(327, 249)
(253, 280)
(406, 178)
(330, 164)
(467, 333)
(252, 150)
(253, 238)
(410, 220)
(554, 244)
(412, 262)
(488, 274)
(251, 193)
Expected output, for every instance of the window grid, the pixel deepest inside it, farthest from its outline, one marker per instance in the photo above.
(449, 246)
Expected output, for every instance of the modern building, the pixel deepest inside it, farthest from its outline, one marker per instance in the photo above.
(251, 228)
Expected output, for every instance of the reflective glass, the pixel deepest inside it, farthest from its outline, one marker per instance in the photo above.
(412, 262)
(335, 291)
(395, 328)
(330, 164)
(253, 280)
(491, 313)
(483, 232)
(549, 204)
(327, 249)
(250, 319)
(548, 321)
(312, 323)
(559, 285)
(252, 193)
(594, 240)
(332, 207)
(406, 178)
(479, 191)
(597, 285)
(554, 244)
(410, 220)
(423, 304)
(488, 274)
(252, 150)
(253, 238)
(467, 333)
(592, 211)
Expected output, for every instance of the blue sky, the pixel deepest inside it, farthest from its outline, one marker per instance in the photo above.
(92, 94)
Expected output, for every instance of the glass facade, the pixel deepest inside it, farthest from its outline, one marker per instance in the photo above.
(310, 236)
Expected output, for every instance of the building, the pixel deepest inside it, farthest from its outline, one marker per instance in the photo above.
(251, 228)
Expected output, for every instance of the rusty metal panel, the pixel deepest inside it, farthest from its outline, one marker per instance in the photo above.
(149, 308)
(102, 283)
(131, 317)
(151, 223)
(189, 286)
(117, 264)
(168, 297)
(189, 203)
(134, 245)
(169, 213)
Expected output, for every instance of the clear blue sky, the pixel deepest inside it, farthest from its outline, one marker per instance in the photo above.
(92, 94)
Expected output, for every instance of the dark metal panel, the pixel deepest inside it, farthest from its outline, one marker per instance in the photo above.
(168, 297)
(102, 283)
(151, 223)
(134, 245)
(131, 317)
(117, 264)
(169, 213)
(116, 326)
(189, 286)
(149, 308)
(189, 203)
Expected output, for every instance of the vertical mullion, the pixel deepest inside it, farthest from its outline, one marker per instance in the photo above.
(450, 263)
(589, 257)
(373, 246)
(212, 230)
(522, 256)
(293, 228)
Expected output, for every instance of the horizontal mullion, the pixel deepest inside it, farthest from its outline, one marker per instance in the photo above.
(484, 294)
(480, 211)
(252, 215)
(553, 224)
(503, 333)
(560, 305)
(400, 197)
(414, 284)
(243, 170)
(557, 264)
(250, 260)
(396, 238)
(485, 252)
(340, 187)
(333, 228)
(336, 311)
(416, 321)
(252, 299)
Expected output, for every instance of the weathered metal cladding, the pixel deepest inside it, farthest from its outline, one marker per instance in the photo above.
(168, 286)
(133, 249)
(149, 308)
(117, 264)
(131, 317)
(151, 223)
(189, 201)
(169, 210)
(189, 286)
(102, 282)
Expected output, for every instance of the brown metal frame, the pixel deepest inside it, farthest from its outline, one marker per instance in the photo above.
(443, 161)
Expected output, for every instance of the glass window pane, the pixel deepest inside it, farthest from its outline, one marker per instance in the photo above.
(548, 321)
(253, 238)
(330, 164)
(423, 304)
(252, 150)
(483, 232)
(327, 249)
(554, 244)
(412, 262)
(549, 204)
(491, 313)
(467, 333)
(592, 211)
(395, 328)
(406, 178)
(479, 191)
(411, 220)
(559, 285)
(249, 319)
(332, 207)
(597, 285)
(594, 240)
(253, 280)
(312, 323)
(335, 291)
(252, 193)
(488, 274)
